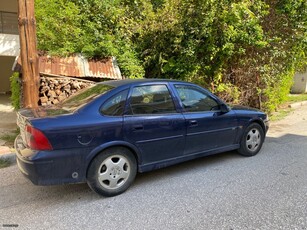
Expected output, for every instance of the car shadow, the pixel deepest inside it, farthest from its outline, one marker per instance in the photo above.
(152, 176)
(70, 193)
(286, 138)
(187, 167)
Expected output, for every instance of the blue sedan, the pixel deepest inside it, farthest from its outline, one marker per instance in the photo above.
(107, 133)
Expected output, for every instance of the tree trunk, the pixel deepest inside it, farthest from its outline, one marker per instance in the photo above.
(28, 52)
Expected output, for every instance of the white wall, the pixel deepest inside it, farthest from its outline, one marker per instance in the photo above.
(300, 83)
(9, 45)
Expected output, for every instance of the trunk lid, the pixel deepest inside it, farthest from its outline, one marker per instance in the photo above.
(24, 117)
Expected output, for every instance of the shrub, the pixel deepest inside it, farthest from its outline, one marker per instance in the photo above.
(15, 88)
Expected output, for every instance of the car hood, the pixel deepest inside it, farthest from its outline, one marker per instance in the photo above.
(246, 108)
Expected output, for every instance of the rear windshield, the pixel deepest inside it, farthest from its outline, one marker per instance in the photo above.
(84, 96)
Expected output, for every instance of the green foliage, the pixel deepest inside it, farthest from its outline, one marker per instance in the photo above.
(277, 92)
(280, 114)
(297, 97)
(91, 27)
(4, 163)
(10, 137)
(245, 51)
(58, 28)
(15, 88)
(228, 92)
(201, 36)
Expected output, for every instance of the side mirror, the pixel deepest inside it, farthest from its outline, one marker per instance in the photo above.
(224, 108)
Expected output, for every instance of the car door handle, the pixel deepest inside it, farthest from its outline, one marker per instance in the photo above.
(193, 123)
(138, 127)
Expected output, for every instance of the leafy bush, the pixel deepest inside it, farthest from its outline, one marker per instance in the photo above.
(15, 88)
(91, 27)
(278, 92)
(229, 93)
(246, 51)
(4, 163)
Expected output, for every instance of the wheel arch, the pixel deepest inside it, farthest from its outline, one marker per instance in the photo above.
(98, 150)
(259, 122)
(248, 123)
(250, 150)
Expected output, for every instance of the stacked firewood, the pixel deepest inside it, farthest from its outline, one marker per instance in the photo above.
(56, 89)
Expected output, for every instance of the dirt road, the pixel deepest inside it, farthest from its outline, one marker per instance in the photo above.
(7, 121)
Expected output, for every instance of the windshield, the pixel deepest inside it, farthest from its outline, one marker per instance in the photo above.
(84, 96)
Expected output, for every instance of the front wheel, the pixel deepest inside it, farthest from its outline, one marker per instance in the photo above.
(252, 140)
(112, 172)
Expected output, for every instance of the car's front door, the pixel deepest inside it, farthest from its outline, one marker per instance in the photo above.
(207, 127)
(153, 124)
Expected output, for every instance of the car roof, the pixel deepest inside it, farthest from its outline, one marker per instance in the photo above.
(117, 83)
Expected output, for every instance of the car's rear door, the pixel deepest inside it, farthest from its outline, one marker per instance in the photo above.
(153, 124)
(207, 127)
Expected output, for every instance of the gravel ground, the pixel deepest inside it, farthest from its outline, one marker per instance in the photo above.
(7, 121)
(7, 114)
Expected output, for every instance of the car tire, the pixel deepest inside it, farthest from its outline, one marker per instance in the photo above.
(112, 172)
(252, 140)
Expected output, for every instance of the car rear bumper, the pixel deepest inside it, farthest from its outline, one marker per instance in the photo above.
(49, 168)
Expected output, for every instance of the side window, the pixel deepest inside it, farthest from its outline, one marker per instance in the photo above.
(115, 105)
(152, 99)
(195, 100)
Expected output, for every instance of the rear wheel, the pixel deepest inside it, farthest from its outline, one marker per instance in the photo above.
(252, 140)
(112, 172)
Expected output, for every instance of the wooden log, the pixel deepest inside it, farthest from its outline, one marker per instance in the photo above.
(43, 99)
(62, 97)
(51, 93)
(58, 92)
(55, 101)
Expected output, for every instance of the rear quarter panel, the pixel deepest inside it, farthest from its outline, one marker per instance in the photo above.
(80, 130)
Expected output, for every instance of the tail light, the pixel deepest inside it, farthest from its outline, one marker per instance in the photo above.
(36, 139)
